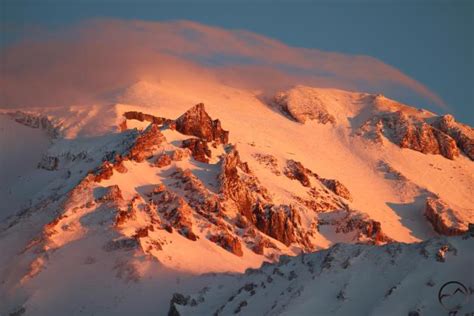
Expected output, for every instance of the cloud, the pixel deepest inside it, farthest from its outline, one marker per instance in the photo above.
(89, 61)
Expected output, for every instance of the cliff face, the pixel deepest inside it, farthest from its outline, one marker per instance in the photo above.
(413, 133)
(462, 134)
(238, 185)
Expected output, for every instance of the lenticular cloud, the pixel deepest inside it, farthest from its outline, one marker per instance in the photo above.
(90, 61)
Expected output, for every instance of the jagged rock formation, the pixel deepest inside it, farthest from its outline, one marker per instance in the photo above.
(228, 242)
(334, 211)
(199, 149)
(281, 222)
(301, 105)
(415, 133)
(197, 122)
(444, 219)
(198, 197)
(296, 170)
(146, 143)
(338, 188)
(36, 121)
(239, 185)
(424, 138)
(462, 134)
(175, 210)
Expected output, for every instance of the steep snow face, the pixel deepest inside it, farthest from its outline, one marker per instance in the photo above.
(21, 149)
(396, 279)
(144, 200)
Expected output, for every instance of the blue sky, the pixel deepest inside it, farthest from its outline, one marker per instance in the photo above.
(431, 41)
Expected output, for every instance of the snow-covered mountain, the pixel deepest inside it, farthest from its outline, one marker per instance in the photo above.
(112, 208)
(395, 279)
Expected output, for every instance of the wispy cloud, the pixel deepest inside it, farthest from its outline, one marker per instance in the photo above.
(87, 62)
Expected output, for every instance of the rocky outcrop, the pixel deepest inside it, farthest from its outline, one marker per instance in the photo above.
(123, 216)
(423, 138)
(232, 187)
(268, 161)
(179, 154)
(281, 222)
(197, 122)
(199, 149)
(106, 169)
(260, 244)
(175, 211)
(121, 244)
(321, 201)
(360, 226)
(254, 205)
(119, 166)
(36, 121)
(179, 299)
(146, 143)
(295, 170)
(445, 220)
(228, 242)
(109, 194)
(162, 160)
(139, 116)
(302, 104)
(239, 185)
(103, 172)
(338, 188)
(462, 134)
(410, 132)
(49, 163)
(196, 194)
